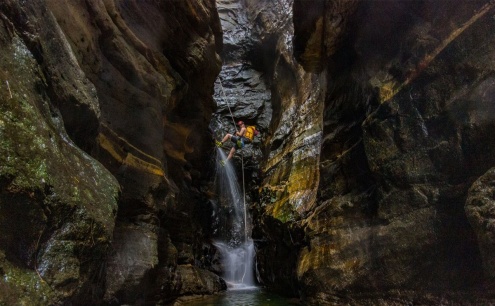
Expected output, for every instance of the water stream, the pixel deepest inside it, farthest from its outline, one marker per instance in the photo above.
(254, 297)
(234, 239)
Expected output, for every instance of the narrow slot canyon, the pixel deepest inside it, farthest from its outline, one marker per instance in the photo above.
(363, 176)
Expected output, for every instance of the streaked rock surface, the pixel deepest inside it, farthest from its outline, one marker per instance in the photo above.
(103, 132)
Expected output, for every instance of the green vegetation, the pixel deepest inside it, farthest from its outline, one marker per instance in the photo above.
(38, 159)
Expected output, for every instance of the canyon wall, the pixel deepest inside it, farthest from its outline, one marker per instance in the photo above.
(103, 130)
(371, 180)
(406, 123)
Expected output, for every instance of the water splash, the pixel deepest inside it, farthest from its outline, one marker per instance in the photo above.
(238, 263)
(234, 242)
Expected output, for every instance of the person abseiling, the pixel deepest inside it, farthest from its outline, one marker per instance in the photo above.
(241, 137)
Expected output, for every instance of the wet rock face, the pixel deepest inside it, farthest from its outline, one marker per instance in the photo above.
(262, 84)
(405, 134)
(104, 123)
(241, 91)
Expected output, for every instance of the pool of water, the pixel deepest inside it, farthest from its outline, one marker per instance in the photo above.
(247, 297)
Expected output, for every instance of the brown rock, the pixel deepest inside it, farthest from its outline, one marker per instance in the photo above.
(403, 137)
(480, 205)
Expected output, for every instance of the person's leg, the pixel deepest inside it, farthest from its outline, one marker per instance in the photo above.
(231, 153)
(234, 139)
(226, 137)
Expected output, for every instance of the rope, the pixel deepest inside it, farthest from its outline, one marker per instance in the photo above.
(242, 163)
(243, 183)
(243, 189)
(226, 101)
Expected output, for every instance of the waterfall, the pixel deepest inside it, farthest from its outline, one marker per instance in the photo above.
(234, 242)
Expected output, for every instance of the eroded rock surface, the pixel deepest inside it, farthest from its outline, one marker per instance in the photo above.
(105, 108)
(58, 204)
(405, 133)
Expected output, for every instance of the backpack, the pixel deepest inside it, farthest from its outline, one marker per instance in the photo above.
(251, 131)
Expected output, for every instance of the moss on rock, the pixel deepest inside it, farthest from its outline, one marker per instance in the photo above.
(69, 197)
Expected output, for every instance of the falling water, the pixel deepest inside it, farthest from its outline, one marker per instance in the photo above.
(235, 244)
